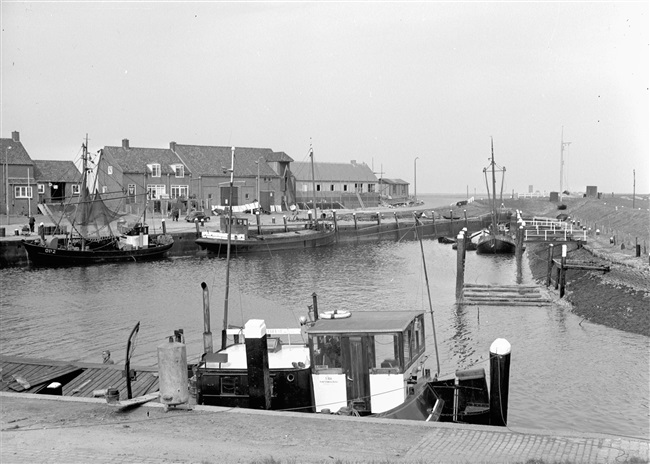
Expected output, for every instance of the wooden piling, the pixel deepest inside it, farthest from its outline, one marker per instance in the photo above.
(460, 264)
(284, 219)
(259, 225)
(198, 231)
(500, 352)
(354, 216)
(164, 227)
(207, 334)
(336, 225)
(549, 265)
(563, 271)
(257, 360)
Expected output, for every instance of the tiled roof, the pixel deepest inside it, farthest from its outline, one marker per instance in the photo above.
(14, 155)
(212, 161)
(335, 172)
(56, 171)
(279, 156)
(135, 160)
(394, 181)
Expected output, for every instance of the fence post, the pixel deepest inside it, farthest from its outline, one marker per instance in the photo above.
(549, 265)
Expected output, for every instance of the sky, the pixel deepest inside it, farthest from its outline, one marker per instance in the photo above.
(416, 90)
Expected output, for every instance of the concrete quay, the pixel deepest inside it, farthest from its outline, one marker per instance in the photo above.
(38, 428)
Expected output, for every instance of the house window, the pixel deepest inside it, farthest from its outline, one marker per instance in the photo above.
(179, 169)
(345, 187)
(110, 170)
(41, 188)
(131, 194)
(179, 191)
(23, 192)
(332, 188)
(304, 187)
(76, 189)
(154, 192)
(318, 187)
(155, 170)
(371, 188)
(104, 189)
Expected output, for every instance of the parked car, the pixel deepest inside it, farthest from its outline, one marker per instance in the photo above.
(196, 216)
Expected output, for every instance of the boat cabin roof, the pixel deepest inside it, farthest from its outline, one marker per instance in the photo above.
(365, 322)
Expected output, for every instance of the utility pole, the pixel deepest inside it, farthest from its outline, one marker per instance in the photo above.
(633, 187)
(563, 144)
(415, 179)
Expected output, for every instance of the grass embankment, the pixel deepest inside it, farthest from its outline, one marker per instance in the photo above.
(619, 298)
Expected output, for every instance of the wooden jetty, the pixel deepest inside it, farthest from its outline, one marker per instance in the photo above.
(50, 377)
(503, 295)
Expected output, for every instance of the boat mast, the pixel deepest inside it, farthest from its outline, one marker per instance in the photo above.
(84, 193)
(225, 301)
(494, 190)
(426, 278)
(313, 183)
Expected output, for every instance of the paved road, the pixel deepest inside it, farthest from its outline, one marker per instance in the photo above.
(68, 430)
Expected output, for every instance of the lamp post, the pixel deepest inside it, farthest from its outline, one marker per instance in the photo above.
(7, 180)
(415, 179)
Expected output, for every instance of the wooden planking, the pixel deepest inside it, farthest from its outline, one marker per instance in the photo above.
(90, 377)
(503, 295)
(35, 374)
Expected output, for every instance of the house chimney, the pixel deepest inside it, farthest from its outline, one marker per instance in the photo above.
(15, 136)
(125, 144)
(172, 146)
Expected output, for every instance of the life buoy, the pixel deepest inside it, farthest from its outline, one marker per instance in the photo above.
(335, 314)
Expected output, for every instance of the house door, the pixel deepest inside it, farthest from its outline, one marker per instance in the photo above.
(355, 366)
(225, 196)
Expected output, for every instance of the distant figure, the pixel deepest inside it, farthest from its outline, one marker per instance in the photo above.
(32, 221)
(106, 357)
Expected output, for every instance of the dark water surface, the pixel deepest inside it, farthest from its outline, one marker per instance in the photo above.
(564, 374)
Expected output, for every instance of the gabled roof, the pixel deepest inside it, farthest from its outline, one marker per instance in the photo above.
(14, 155)
(135, 159)
(394, 181)
(279, 157)
(56, 171)
(334, 172)
(213, 161)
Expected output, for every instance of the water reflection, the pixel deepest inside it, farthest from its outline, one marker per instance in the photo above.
(564, 375)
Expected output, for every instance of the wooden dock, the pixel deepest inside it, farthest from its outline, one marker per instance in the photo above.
(28, 375)
(503, 295)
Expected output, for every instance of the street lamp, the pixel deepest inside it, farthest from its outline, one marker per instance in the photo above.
(415, 179)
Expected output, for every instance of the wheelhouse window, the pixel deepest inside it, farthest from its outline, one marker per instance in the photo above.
(327, 353)
(23, 192)
(386, 352)
(235, 385)
(76, 189)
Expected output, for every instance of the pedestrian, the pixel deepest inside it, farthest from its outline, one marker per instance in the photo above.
(106, 357)
(32, 221)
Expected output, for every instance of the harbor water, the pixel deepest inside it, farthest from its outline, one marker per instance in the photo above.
(566, 374)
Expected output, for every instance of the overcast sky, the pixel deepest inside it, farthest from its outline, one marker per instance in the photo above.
(380, 83)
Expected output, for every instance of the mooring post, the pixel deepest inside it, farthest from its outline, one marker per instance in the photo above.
(500, 351)
(354, 216)
(549, 265)
(164, 227)
(310, 218)
(465, 213)
(284, 219)
(433, 219)
(396, 220)
(460, 264)
(336, 224)
(563, 271)
(259, 225)
(207, 334)
(451, 222)
(378, 218)
(198, 231)
(257, 360)
(520, 241)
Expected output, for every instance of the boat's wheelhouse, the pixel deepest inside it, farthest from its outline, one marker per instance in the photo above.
(369, 361)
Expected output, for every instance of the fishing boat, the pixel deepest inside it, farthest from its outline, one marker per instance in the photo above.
(234, 234)
(92, 239)
(243, 240)
(497, 238)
